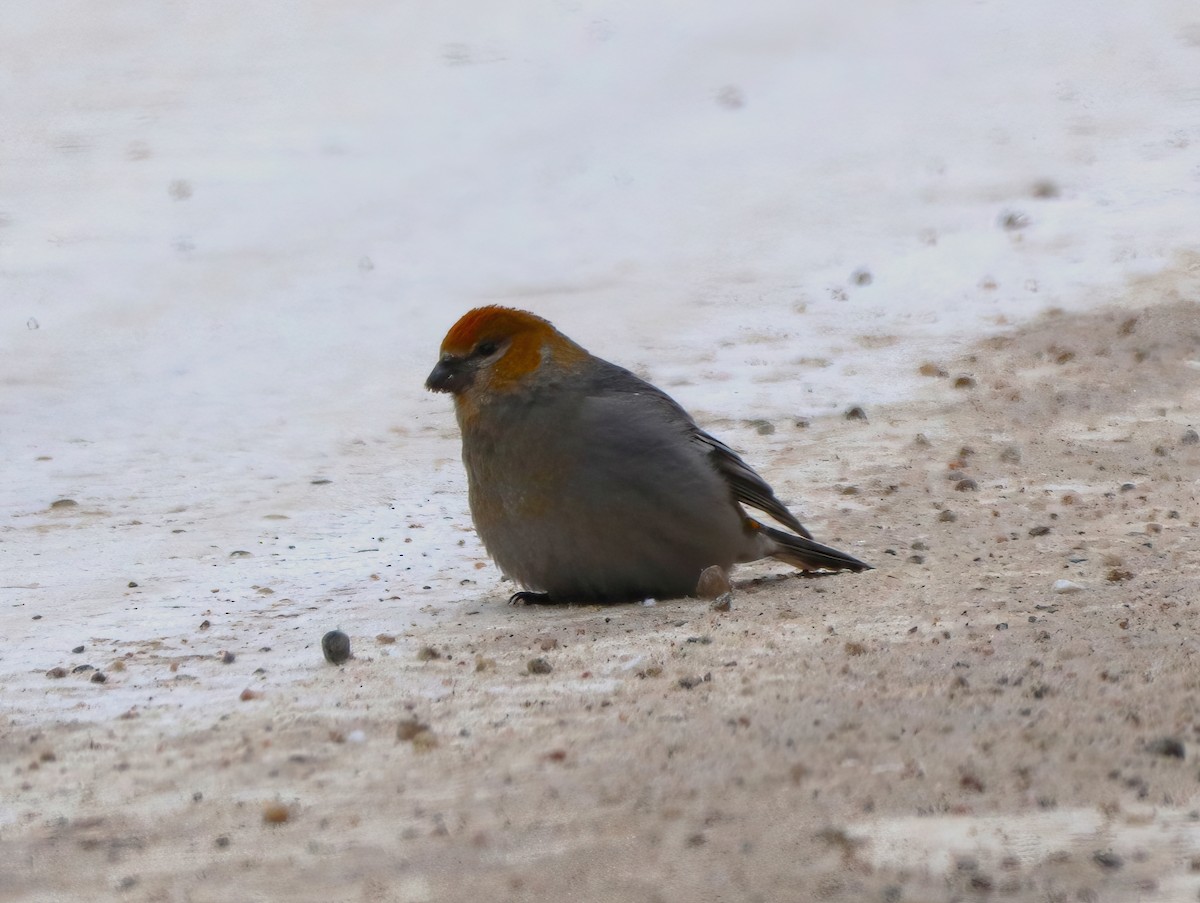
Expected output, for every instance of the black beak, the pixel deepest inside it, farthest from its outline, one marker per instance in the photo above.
(448, 375)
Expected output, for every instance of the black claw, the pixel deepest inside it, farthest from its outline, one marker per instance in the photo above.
(527, 598)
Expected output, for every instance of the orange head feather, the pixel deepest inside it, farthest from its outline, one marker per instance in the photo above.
(495, 349)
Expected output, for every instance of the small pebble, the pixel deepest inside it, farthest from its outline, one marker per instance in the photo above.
(723, 602)
(1039, 531)
(57, 672)
(856, 413)
(713, 583)
(1191, 437)
(539, 666)
(947, 516)
(1068, 586)
(418, 734)
(276, 813)
(1044, 188)
(99, 677)
(1013, 220)
(228, 658)
(1171, 747)
(409, 728)
(427, 654)
(335, 646)
(77, 649)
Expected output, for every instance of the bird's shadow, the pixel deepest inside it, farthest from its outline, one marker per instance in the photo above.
(523, 598)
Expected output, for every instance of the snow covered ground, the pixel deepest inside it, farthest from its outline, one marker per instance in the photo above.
(231, 238)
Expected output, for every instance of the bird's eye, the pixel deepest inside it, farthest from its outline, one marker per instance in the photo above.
(484, 349)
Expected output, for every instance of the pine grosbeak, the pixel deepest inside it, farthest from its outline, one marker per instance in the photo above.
(588, 484)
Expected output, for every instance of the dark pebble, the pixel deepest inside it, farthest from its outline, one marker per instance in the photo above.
(1191, 437)
(1039, 531)
(228, 658)
(856, 413)
(1107, 859)
(79, 669)
(539, 666)
(99, 677)
(77, 649)
(335, 645)
(1171, 747)
(57, 672)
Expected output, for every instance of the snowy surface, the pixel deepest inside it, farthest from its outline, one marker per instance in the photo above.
(231, 238)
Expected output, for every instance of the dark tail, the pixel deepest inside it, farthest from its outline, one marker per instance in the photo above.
(808, 555)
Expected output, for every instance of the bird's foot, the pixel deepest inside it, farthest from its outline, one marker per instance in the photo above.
(527, 598)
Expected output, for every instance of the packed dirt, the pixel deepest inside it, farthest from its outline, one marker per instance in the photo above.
(956, 724)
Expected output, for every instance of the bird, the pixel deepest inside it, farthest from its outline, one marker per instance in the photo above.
(587, 484)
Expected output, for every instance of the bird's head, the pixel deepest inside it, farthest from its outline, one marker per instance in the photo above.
(498, 349)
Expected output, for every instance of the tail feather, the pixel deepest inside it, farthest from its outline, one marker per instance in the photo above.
(809, 555)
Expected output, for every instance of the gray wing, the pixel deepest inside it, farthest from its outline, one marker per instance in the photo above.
(748, 487)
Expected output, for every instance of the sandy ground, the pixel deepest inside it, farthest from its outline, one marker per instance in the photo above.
(945, 727)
